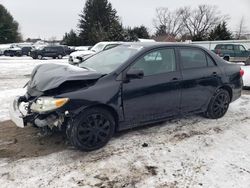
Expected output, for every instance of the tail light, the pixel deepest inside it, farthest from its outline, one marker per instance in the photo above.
(241, 72)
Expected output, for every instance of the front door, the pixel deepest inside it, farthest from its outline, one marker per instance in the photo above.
(241, 54)
(157, 95)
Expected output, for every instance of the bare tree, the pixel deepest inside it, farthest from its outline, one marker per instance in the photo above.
(200, 21)
(167, 22)
(241, 29)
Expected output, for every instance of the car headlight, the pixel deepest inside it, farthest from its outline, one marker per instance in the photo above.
(45, 104)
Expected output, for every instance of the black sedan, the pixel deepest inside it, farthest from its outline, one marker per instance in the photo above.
(125, 87)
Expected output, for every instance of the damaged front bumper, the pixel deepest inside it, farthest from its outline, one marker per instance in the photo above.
(21, 115)
(16, 114)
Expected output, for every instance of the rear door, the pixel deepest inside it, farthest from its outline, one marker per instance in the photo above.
(48, 52)
(157, 94)
(229, 51)
(201, 77)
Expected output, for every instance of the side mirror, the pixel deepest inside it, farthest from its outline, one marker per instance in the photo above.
(135, 74)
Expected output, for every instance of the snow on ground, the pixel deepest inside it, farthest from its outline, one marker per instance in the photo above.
(188, 152)
(6, 96)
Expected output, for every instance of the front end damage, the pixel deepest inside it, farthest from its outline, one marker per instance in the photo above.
(40, 106)
(22, 115)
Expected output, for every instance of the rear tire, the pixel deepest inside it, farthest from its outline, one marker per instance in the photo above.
(60, 56)
(218, 105)
(91, 129)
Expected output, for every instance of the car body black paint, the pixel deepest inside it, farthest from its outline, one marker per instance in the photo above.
(150, 99)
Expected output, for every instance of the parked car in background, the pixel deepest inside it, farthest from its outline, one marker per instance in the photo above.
(67, 50)
(125, 87)
(26, 50)
(79, 56)
(48, 51)
(4, 47)
(232, 52)
(13, 50)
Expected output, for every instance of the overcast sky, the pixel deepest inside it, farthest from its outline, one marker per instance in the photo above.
(52, 18)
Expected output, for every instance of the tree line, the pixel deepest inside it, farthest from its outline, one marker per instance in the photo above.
(99, 21)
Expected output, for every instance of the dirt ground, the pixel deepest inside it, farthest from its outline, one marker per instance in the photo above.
(19, 143)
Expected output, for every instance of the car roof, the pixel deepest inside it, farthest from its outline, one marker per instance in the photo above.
(227, 44)
(160, 44)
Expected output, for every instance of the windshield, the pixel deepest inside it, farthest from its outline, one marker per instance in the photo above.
(98, 47)
(107, 61)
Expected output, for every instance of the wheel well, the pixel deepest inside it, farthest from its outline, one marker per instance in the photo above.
(229, 89)
(226, 57)
(111, 110)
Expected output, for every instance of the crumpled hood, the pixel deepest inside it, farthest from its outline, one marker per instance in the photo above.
(49, 76)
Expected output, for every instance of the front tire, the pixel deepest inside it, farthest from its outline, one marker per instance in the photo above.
(218, 105)
(247, 61)
(40, 57)
(226, 58)
(92, 129)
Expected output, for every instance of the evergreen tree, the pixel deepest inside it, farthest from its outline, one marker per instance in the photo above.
(220, 32)
(141, 32)
(8, 27)
(129, 35)
(133, 34)
(99, 22)
(71, 39)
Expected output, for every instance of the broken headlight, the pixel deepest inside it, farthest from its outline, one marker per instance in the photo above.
(45, 104)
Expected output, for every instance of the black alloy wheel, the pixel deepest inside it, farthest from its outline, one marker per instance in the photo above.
(219, 104)
(92, 129)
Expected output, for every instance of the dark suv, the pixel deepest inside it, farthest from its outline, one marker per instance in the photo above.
(232, 52)
(48, 51)
(125, 87)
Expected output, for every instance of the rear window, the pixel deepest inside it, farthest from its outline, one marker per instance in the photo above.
(193, 58)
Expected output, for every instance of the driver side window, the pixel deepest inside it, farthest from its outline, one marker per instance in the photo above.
(157, 62)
